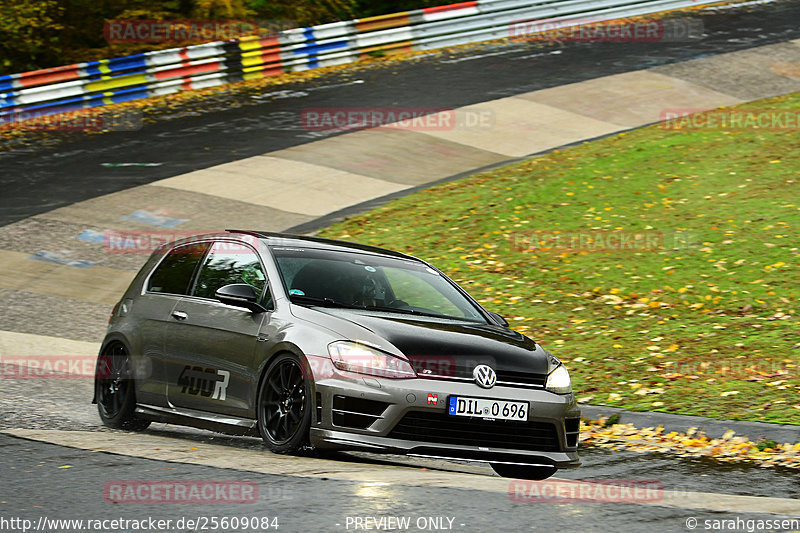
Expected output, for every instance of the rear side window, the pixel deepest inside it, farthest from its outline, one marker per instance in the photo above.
(174, 274)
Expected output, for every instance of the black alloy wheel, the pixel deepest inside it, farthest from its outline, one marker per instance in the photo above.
(114, 389)
(284, 407)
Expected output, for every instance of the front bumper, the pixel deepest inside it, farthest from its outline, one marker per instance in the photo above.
(328, 439)
(391, 400)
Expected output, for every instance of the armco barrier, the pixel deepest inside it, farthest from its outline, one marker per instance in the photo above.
(98, 83)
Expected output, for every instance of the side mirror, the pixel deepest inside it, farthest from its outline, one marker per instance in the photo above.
(240, 295)
(499, 320)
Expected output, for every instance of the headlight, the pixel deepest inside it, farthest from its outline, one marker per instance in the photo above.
(558, 381)
(354, 357)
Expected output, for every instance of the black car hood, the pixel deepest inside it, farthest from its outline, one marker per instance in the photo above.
(437, 345)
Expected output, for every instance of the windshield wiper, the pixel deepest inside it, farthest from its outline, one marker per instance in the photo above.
(391, 310)
(330, 302)
(322, 302)
(405, 311)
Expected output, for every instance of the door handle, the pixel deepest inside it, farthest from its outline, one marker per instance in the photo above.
(180, 315)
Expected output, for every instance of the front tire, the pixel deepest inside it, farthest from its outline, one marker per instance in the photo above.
(115, 391)
(284, 405)
(536, 473)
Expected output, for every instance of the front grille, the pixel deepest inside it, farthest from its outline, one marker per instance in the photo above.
(573, 427)
(505, 378)
(521, 378)
(441, 428)
(356, 413)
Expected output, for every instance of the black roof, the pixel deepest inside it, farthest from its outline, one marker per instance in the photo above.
(286, 239)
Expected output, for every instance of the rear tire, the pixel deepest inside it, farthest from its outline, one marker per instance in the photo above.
(115, 390)
(536, 473)
(284, 405)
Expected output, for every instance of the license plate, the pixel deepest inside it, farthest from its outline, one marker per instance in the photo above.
(483, 408)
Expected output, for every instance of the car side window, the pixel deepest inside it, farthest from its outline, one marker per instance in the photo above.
(174, 274)
(226, 263)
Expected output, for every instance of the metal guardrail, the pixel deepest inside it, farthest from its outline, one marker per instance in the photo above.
(97, 83)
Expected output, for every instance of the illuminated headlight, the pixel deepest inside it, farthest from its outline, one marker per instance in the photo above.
(354, 357)
(558, 381)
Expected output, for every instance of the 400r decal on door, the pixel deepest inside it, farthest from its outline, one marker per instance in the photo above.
(204, 381)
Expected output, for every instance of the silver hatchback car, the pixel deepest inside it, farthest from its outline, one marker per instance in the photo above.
(315, 342)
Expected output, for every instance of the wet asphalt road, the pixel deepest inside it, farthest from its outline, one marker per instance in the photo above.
(43, 480)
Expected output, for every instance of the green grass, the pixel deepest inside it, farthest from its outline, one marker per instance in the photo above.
(704, 323)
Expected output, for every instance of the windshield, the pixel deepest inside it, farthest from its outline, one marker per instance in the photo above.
(364, 281)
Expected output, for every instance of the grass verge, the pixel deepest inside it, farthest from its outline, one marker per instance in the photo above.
(696, 315)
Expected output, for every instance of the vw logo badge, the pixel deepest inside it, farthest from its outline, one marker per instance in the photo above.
(484, 376)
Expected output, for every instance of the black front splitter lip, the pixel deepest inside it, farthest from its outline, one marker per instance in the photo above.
(326, 439)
